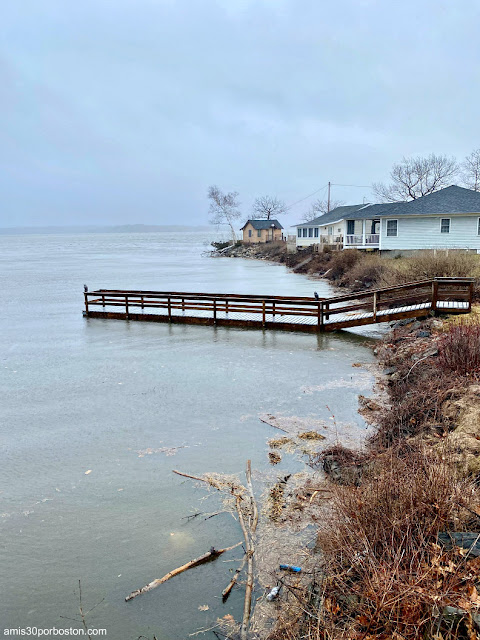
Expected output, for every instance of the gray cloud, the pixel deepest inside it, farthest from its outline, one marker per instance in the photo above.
(117, 111)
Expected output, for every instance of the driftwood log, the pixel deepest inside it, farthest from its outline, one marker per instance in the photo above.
(226, 592)
(210, 555)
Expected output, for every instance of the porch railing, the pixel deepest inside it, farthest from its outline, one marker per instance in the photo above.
(358, 239)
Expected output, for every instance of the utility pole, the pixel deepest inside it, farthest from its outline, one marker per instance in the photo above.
(328, 201)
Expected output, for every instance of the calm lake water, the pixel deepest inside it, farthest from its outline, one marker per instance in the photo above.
(79, 395)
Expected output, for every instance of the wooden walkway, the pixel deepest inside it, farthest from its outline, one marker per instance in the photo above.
(291, 313)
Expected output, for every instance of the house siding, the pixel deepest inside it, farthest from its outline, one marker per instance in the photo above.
(338, 229)
(423, 232)
(265, 235)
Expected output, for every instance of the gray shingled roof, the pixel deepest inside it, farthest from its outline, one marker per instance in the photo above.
(262, 224)
(449, 200)
(339, 213)
(371, 211)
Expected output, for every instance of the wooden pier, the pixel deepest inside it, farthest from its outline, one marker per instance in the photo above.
(291, 313)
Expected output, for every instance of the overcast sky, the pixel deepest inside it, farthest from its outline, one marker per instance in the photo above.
(125, 111)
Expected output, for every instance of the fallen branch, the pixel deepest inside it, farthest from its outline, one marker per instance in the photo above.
(249, 586)
(253, 525)
(273, 425)
(233, 581)
(187, 475)
(210, 555)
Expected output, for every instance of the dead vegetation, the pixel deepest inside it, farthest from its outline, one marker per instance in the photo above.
(384, 573)
(385, 570)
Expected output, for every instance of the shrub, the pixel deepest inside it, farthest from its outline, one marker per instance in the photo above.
(386, 574)
(459, 349)
(441, 264)
(365, 273)
(220, 245)
(341, 262)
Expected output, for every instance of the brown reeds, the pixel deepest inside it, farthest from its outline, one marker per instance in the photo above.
(386, 576)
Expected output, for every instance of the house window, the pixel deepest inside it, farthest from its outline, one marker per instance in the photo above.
(310, 232)
(249, 233)
(316, 231)
(350, 227)
(478, 227)
(305, 230)
(299, 233)
(259, 233)
(445, 225)
(392, 228)
(330, 231)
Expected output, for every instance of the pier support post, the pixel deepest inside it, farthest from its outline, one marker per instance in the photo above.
(434, 295)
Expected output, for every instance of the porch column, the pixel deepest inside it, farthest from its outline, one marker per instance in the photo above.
(363, 232)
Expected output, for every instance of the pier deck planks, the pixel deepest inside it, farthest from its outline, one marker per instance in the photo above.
(296, 313)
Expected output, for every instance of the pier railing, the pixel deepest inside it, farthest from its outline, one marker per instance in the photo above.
(452, 295)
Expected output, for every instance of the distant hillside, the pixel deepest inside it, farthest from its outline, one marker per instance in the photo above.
(123, 228)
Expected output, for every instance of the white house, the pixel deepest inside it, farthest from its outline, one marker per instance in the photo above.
(445, 219)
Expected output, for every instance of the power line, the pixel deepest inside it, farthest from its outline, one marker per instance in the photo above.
(333, 184)
(362, 186)
(306, 197)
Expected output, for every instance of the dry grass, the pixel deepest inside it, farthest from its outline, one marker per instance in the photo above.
(386, 572)
(386, 576)
(459, 349)
(425, 265)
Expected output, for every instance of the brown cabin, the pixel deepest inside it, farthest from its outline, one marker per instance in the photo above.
(262, 231)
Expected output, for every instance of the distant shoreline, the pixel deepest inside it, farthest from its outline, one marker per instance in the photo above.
(124, 228)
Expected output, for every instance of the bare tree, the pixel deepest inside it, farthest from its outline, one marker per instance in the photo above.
(268, 207)
(319, 208)
(470, 168)
(415, 177)
(224, 208)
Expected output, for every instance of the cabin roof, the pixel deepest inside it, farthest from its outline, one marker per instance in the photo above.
(259, 225)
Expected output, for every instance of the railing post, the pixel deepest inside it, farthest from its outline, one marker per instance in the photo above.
(273, 309)
(434, 295)
(142, 302)
(169, 309)
(126, 307)
(226, 306)
(263, 313)
(214, 311)
(319, 315)
(183, 304)
(86, 304)
(327, 307)
(375, 306)
(470, 296)
(103, 301)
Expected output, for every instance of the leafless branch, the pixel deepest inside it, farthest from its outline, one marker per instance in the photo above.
(413, 178)
(268, 207)
(224, 208)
